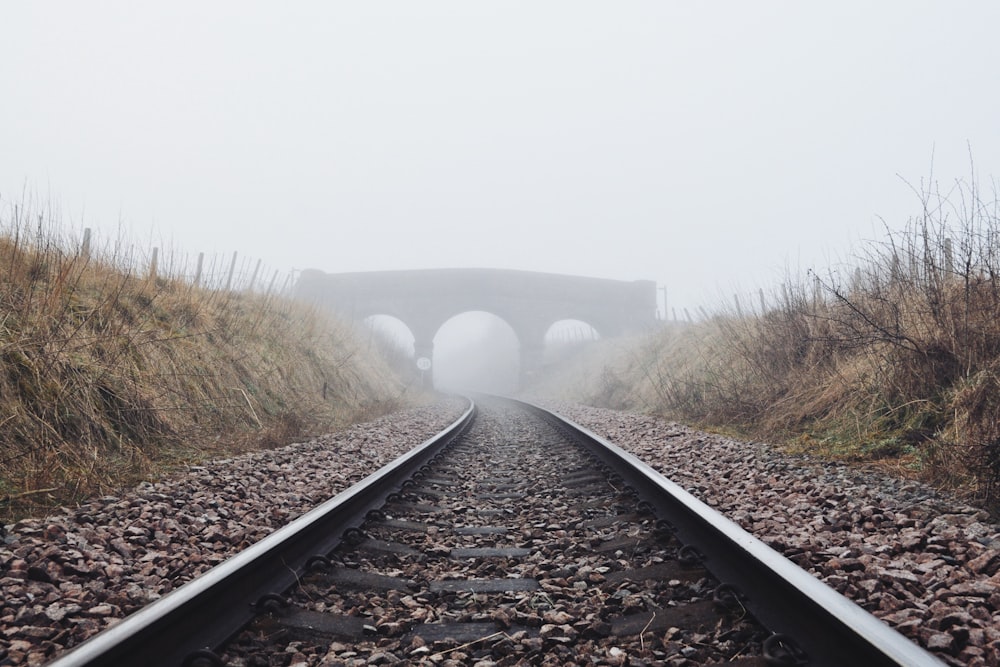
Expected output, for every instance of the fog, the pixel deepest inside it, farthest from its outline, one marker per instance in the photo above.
(712, 147)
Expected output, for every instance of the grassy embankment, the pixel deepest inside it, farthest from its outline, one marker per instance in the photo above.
(109, 374)
(894, 359)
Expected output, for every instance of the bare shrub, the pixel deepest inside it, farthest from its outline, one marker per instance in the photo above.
(896, 354)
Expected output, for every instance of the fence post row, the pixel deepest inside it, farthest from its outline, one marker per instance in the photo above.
(154, 260)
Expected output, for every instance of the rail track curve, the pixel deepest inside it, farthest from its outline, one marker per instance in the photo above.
(514, 536)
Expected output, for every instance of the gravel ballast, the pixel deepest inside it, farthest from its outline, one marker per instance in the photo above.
(925, 564)
(68, 576)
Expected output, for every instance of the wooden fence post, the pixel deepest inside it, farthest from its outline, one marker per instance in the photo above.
(85, 246)
(197, 271)
(232, 269)
(152, 263)
(253, 277)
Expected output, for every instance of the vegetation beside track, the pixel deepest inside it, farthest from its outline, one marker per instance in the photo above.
(894, 358)
(112, 372)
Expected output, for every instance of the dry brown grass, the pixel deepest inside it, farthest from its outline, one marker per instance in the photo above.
(896, 357)
(109, 375)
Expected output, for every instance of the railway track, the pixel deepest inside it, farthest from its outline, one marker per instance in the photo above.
(511, 538)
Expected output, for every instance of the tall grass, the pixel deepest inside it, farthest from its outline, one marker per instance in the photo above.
(110, 372)
(893, 356)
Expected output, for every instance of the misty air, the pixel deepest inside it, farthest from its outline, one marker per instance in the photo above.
(499, 334)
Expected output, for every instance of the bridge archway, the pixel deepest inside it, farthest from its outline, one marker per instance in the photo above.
(565, 337)
(392, 330)
(529, 302)
(477, 351)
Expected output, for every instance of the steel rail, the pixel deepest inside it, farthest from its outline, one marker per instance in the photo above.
(213, 607)
(786, 599)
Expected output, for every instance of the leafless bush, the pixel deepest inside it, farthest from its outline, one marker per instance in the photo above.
(894, 354)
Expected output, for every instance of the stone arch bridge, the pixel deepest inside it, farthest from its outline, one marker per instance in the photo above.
(530, 302)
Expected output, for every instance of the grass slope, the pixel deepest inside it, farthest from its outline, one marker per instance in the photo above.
(109, 375)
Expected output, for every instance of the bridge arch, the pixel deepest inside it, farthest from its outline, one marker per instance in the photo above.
(566, 337)
(530, 302)
(477, 351)
(394, 331)
(571, 330)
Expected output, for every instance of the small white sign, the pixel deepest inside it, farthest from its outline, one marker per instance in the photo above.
(424, 364)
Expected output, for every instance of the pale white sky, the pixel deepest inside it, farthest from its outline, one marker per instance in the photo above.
(706, 146)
